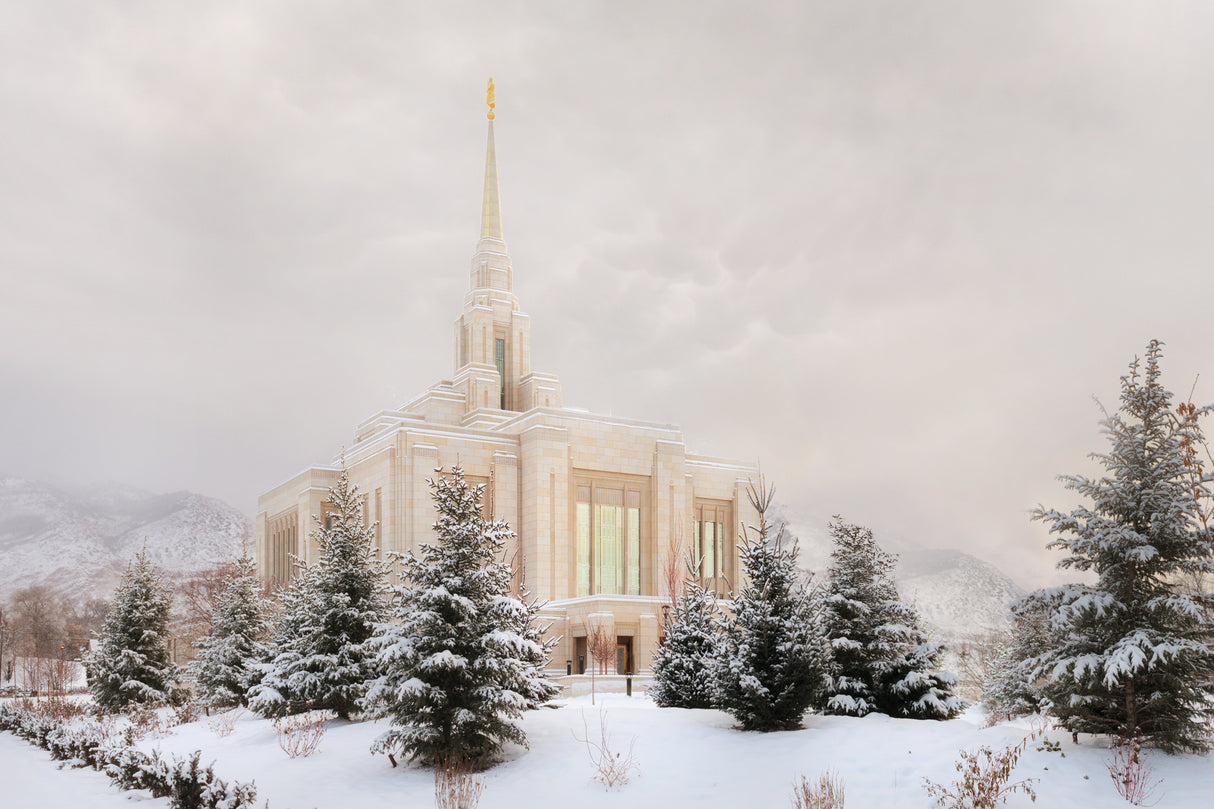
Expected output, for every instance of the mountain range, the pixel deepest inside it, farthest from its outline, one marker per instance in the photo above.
(80, 540)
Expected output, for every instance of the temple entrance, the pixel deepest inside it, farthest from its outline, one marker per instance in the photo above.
(623, 655)
(579, 651)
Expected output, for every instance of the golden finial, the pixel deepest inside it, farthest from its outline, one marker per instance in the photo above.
(489, 99)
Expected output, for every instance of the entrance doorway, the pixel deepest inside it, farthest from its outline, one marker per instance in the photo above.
(623, 655)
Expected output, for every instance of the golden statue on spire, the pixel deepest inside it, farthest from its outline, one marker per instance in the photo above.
(489, 98)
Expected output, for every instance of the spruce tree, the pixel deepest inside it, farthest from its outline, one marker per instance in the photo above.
(772, 659)
(326, 662)
(230, 660)
(1132, 656)
(463, 658)
(883, 661)
(132, 663)
(280, 689)
(682, 666)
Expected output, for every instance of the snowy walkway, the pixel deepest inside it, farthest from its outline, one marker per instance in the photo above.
(31, 780)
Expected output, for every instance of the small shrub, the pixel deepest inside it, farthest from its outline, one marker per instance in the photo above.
(222, 724)
(610, 769)
(984, 779)
(456, 786)
(825, 793)
(60, 708)
(184, 782)
(187, 712)
(300, 735)
(1132, 777)
(145, 720)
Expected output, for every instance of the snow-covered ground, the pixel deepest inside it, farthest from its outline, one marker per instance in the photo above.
(686, 758)
(29, 779)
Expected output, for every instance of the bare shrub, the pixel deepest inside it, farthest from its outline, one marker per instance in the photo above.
(300, 735)
(187, 712)
(145, 719)
(456, 786)
(825, 793)
(222, 724)
(60, 708)
(984, 779)
(1132, 777)
(611, 769)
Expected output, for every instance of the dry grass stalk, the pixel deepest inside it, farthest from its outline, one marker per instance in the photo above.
(610, 769)
(825, 793)
(456, 786)
(299, 735)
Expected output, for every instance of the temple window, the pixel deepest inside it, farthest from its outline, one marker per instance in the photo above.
(609, 536)
(712, 542)
(499, 359)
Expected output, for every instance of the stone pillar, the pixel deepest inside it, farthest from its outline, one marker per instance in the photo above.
(545, 534)
(418, 508)
(645, 644)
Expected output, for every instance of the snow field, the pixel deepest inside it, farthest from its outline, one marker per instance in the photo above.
(686, 758)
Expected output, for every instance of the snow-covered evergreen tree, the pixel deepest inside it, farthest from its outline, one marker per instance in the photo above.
(1009, 687)
(883, 661)
(324, 661)
(683, 664)
(132, 663)
(229, 662)
(1133, 653)
(279, 691)
(772, 660)
(463, 658)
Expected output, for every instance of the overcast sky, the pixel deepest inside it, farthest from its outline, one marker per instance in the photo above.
(889, 249)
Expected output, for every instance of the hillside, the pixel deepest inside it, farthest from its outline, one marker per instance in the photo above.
(959, 596)
(80, 540)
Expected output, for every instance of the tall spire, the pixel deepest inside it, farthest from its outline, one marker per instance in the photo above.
(491, 210)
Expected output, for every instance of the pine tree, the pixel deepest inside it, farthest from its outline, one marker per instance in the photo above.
(280, 690)
(463, 658)
(772, 659)
(1132, 656)
(325, 661)
(682, 666)
(883, 661)
(132, 663)
(229, 663)
(1009, 687)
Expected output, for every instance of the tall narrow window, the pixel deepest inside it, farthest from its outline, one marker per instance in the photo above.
(499, 357)
(379, 513)
(609, 531)
(632, 554)
(712, 517)
(583, 540)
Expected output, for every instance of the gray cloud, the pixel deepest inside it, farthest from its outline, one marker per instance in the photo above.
(889, 249)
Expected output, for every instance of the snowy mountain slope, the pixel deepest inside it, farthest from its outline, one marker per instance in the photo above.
(81, 540)
(959, 596)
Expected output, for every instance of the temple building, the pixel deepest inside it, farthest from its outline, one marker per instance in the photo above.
(598, 502)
